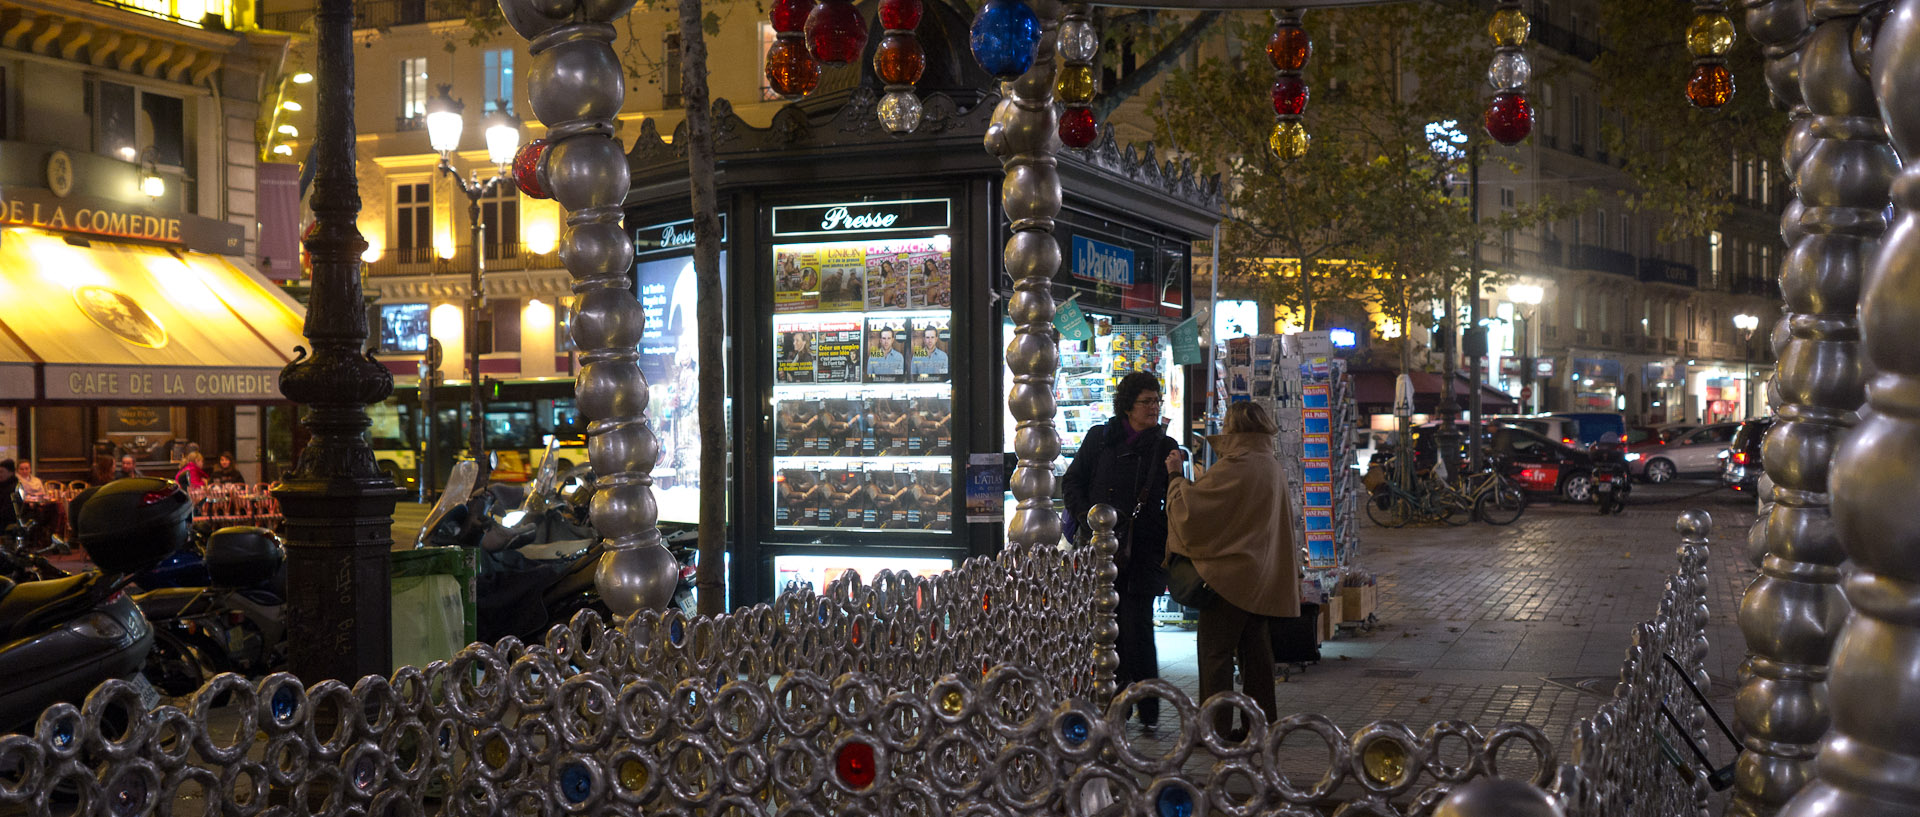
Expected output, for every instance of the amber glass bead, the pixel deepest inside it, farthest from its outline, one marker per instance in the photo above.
(1710, 35)
(899, 60)
(1711, 85)
(791, 71)
(1289, 140)
(1289, 48)
(1075, 84)
(1509, 27)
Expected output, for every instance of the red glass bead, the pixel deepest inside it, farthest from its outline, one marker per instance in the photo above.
(1077, 128)
(1509, 118)
(900, 15)
(1289, 48)
(836, 33)
(790, 16)
(1289, 96)
(854, 633)
(1711, 85)
(791, 71)
(855, 765)
(526, 169)
(899, 60)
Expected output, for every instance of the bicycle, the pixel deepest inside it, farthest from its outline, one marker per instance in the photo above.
(1391, 506)
(1488, 496)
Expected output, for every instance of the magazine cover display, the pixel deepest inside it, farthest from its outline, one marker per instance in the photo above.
(862, 368)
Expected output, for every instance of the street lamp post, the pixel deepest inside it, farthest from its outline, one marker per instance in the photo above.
(1526, 297)
(444, 123)
(1746, 324)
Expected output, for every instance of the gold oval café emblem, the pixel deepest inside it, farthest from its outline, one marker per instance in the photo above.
(119, 314)
(60, 173)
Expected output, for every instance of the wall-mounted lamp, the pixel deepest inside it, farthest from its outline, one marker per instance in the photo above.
(150, 181)
(302, 78)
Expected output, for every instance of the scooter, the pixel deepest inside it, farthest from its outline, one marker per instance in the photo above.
(20, 561)
(61, 638)
(233, 623)
(535, 562)
(1611, 483)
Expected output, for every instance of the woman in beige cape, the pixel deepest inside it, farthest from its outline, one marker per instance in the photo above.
(1236, 523)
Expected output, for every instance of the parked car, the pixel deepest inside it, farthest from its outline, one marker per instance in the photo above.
(1638, 435)
(1544, 465)
(1743, 467)
(1694, 453)
(1575, 428)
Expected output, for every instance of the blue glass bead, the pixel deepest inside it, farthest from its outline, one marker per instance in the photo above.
(131, 797)
(63, 733)
(1174, 801)
(363, 772)
(676, 631)
(576, 783)
(1003, 36)
(1075, 728)
(283, 704)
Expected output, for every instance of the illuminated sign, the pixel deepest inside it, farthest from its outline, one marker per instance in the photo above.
(1102, 262)
(174, 383)
(863, 217)
(673, 235)
(36, 208)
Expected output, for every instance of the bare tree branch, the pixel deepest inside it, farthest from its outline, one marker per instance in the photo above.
(1181, 43)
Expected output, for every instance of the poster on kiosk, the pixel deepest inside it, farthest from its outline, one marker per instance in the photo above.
(862, 329)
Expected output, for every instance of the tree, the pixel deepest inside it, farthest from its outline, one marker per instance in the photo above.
(1679, 153)
(706, 272)
(1371, 188)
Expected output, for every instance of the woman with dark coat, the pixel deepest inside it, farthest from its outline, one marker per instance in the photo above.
(1122, 463)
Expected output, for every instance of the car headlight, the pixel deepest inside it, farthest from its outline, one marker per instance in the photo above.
(1633, 458)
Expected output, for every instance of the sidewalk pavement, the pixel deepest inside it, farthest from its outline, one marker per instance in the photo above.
(1526, 623)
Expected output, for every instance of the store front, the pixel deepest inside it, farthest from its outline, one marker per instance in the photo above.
(867, 327)
(134, 334)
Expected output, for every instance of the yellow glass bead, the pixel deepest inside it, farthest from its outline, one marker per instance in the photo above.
(1076, 84)
(633, 775)
(497, 753)
(1289, 140)
(951, 702)
(1509, 27)
(1710, 35)
(1385, 762)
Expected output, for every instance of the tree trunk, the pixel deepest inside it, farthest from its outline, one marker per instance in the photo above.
(708, 309)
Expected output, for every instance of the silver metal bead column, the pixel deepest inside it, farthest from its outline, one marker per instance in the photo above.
(1793, 613)
(1866, 765)
(577, 87)
(1022, 135)
(1106, 659)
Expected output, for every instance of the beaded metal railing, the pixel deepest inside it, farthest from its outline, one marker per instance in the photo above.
(970, 693)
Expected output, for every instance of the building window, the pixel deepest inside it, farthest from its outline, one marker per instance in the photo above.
(1714, 256)
(1666, 321)
(1766, 263)
(1766, 181)
(1579, 310)
(1506, 197)
(767, 38)
(413, 222)
(1753, 178)
(1578, 125)
(670, 70)
(562, 333)
(1600, 227)
(500, 222)
(413, 90)
(1626, 233)
(498, 66)
(1733, 187)
(1545, 110)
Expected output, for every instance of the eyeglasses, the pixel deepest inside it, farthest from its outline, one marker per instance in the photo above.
(1149, 402)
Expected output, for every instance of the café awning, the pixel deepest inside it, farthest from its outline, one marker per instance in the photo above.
(1373, 388)
(109, 321)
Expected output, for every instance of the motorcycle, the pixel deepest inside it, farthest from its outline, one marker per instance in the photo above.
(20, 561)
(536, 562)
(1611, 482)
(233, 623)
(62, 637)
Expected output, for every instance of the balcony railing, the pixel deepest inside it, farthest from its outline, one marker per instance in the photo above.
(1601, 259)
(426, 261)
(371, 14)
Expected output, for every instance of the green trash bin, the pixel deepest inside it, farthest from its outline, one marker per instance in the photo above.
(433, 604)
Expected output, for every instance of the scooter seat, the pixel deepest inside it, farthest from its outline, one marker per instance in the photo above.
(28, 605)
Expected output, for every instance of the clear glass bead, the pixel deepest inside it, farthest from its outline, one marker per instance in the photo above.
(899, 111)
(1509, 72)
(1078, 42)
